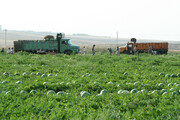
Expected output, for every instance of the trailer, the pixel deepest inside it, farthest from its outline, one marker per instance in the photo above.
(48, 45)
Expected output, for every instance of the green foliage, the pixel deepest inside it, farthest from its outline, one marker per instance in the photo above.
(116, 87)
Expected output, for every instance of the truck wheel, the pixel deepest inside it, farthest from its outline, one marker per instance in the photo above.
(165, 52)
(67, 52)
(124, 51)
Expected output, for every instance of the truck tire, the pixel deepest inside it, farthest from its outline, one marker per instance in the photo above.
(67, 52)
(165, 52)
(124, 51)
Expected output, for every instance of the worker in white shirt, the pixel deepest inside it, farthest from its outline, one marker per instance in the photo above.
(8, 51)
(84, 49)
(12, 51)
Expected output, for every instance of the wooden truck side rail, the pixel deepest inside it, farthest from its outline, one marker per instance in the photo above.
(160, 48)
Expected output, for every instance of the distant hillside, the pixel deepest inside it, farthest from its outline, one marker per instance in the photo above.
(77, 39)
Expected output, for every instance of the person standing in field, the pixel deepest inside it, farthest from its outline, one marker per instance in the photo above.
(117, 50)
(8, 51)
(150, 50)
(93, 49)
(134, 49)
(12, 51)
(128, 49)
(2, 50)
(84, 49)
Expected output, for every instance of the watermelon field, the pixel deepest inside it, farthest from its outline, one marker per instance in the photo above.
(99, 87)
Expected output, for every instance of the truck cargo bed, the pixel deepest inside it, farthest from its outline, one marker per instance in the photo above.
(35, 45)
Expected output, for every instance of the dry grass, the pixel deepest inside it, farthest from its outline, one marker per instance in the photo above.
(174, 51)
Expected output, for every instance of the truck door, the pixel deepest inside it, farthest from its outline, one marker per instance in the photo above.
(63, 45)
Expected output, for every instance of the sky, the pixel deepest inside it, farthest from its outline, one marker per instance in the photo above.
(144, 19)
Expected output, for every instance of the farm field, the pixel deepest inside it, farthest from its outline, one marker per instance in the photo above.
(79, 87)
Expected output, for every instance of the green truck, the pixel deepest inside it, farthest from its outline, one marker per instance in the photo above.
(49, 45)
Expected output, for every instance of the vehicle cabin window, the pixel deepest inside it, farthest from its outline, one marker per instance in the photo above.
(59, 36)
(64, 42)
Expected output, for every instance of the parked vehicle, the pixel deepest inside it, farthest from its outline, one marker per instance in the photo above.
(158, 48)
(48, 45)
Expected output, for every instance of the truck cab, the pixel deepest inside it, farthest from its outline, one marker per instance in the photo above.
(128, 48)
(65, 46)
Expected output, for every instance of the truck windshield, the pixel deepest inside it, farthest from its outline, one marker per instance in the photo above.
(69, 42)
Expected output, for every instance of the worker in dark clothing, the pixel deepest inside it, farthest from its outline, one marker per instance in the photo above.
(110, 51)
(2, 50)
(93, 50)
(117, 51)
(128, 49)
